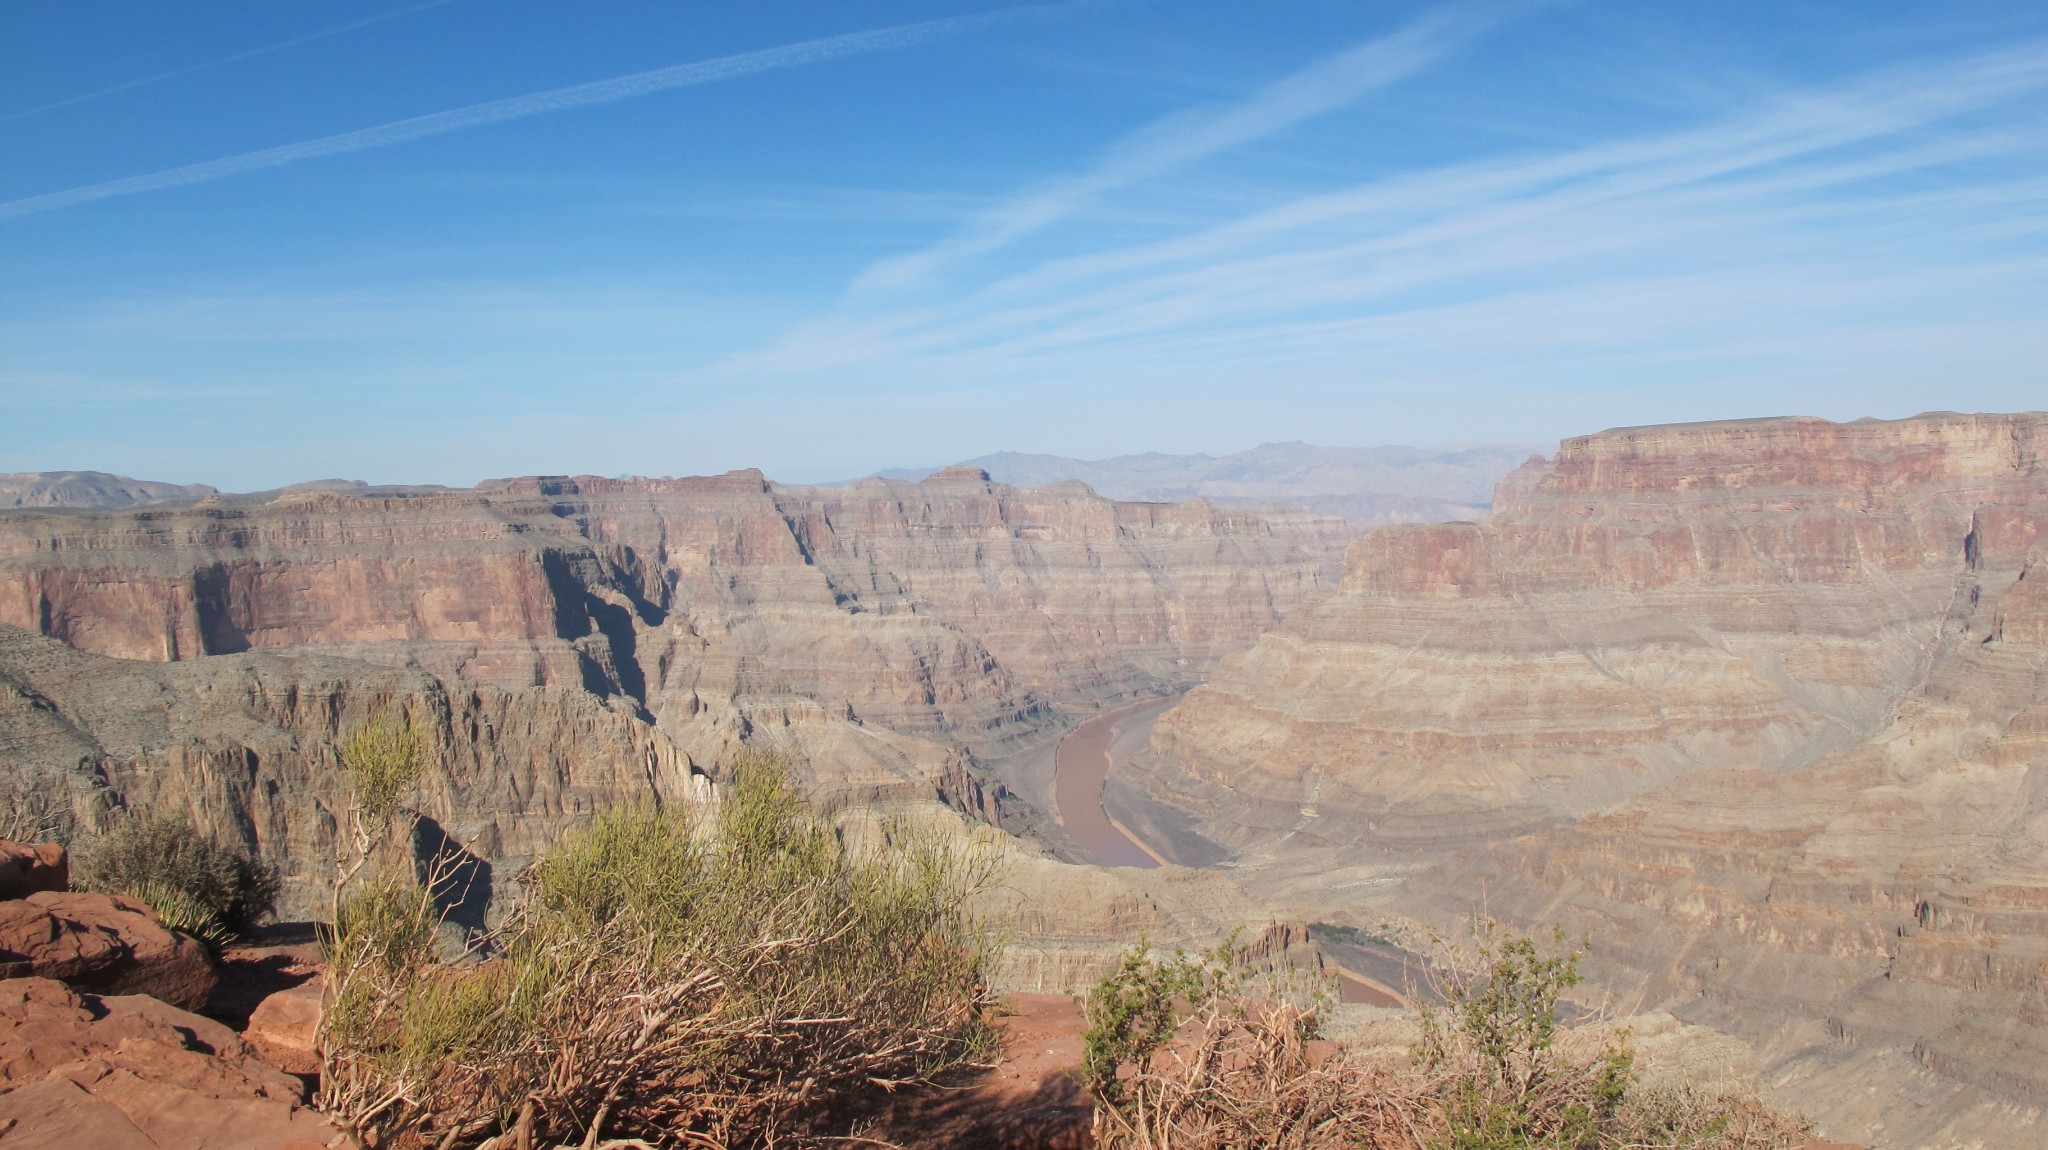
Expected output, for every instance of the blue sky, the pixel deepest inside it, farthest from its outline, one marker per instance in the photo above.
(248, 243)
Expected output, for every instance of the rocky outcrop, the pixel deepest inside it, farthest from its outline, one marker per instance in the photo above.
(132, 1073)
(285, 1027)
(105, 944)
(1758, 705)
(25, 869)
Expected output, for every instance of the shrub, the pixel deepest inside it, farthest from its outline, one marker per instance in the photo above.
(1136, 1009)
(1196, 1052)
(383, 759)
(1498, 1068)
(1509, 1084)
(162, 860)
(673, 974)
(35, 807)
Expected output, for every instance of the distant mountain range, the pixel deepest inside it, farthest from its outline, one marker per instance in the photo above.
(1369, 486)
(91, 489)
(1366, 485)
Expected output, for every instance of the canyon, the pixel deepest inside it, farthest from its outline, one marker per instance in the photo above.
(572, 643)
(1759, 708)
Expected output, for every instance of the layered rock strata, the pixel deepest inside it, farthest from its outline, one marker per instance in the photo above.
(245, 746)
(575, 642)
(1760, 706)
(950, 606)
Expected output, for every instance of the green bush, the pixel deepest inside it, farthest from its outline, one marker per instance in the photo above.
(383, 759)
(1510, 1087)
(1186, 1054)
(1135, 1009)
(210, 886)
(673, 974)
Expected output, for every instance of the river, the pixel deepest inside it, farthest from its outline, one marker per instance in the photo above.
(1081, 765)
(1079, 768)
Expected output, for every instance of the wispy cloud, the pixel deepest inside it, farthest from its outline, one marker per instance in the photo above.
(250, 54)
(1848, 207)
(533, 104)
(1177, 141)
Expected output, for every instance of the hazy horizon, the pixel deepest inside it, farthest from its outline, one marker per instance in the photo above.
(821, 478)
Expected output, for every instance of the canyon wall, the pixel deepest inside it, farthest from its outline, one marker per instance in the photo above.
(245, 746)
(954, 612)
(1761, 707)
(581, 641)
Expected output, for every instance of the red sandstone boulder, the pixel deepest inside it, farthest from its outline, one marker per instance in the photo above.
(283, 1027)
(129, 1071)
(26, 869)
(105, 944)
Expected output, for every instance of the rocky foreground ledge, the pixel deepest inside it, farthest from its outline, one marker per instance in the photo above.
(131, 1064)
(100, 1045)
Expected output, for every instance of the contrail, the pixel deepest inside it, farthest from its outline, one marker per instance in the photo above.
(280, 46)
(533, 104)
(1175, 141)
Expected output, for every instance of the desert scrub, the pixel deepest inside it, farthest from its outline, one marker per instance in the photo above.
(1195, 1051)
(1507, 1084)
(35, 807)
(1138, 1008)
(1498, 1068)
(674, 973)
(383, 758)
(1131, 1013)
(195, 883)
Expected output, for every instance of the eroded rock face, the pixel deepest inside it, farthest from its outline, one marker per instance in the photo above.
(128, 1071)
(1758, 705)
(953, 605)
(574, 643)
(244, 745)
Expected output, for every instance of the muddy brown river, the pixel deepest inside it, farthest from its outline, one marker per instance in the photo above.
(1080, 766)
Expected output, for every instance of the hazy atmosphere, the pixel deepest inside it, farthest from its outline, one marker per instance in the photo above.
(251, 243)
